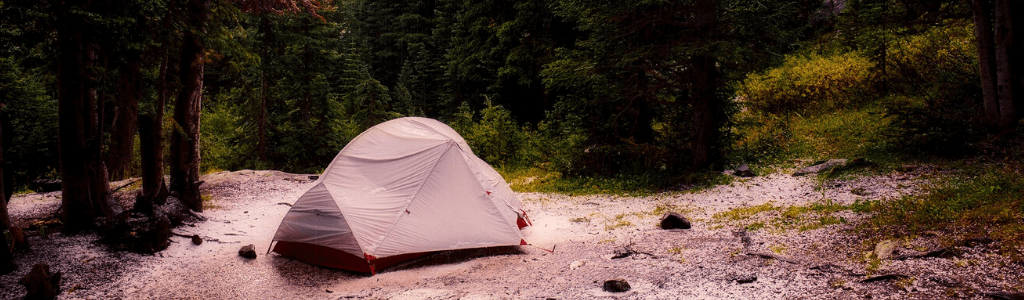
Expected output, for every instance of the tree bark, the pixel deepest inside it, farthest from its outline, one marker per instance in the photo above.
(261, 114)
(703, 90)
(151, 148)
(86, 191)
(122, 130)
(185, 137)
(1005, 83)
(6, 258)
(986, 59)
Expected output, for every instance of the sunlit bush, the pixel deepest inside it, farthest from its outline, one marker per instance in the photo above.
(809, 84)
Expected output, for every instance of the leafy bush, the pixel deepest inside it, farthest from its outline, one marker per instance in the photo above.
(809, 84)
(936, 101)
(495, 136)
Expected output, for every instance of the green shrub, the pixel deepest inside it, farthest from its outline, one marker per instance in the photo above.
(809, 84)
(935, 101)
(496, 137)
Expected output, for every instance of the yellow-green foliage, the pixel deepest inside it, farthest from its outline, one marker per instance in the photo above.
(808, 83)
(936, 55)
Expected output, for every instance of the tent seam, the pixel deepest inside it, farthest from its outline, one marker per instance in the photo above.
(342, 213)
(418, 189)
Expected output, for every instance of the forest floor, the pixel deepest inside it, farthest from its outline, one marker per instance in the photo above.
(767, 237)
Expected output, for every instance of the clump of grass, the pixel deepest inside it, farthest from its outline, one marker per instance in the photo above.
(802, 217)
(645, 184)
(618, 221)
(990, 203)
(208, 203)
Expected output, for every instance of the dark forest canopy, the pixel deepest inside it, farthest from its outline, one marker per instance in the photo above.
(588, 87)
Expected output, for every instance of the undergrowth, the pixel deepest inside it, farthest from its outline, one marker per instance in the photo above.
(982, 203)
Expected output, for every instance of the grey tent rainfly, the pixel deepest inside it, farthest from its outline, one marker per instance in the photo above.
(400, 189)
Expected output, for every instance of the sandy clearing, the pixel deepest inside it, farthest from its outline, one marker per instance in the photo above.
(585, 232)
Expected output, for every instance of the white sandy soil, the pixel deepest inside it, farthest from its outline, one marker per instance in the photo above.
(708, 261)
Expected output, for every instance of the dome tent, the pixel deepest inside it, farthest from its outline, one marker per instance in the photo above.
(400, 189)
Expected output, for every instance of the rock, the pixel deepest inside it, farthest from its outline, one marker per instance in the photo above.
(616, 286)
(885, 249)
(741, 279)
(314, 177)
(674, 221)
(40, 283)
(248, 251)
(744, 171)
(196, 239)
(827, 165)
(576, 264)
(859, 191)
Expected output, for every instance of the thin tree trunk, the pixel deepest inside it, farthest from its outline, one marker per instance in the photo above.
(86, 192)
(1005, 84)
(185, 137)
(261, 115)
(151, 148)
(122, 132)
(986, 60)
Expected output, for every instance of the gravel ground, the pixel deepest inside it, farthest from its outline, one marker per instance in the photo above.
(716, 259)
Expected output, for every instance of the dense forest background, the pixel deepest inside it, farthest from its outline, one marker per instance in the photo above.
(658, 90)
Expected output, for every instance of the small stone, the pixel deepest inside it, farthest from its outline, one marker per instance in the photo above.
(744, 171)
(674, 221)
(741, 279)
(616, 286)
(196, 239)
(885, 249)
(248, 251)
(576, 264)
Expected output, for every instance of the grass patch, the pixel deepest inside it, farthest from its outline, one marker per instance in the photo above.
(986, 203)
(782, 218)
(208, 202)
(544, 181)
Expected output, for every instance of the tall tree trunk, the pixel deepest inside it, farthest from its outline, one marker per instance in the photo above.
(1005, 83)
(151, 148)
(185, 137)
(86, 191)
(261, 114)
(6, 258)
(986, 59)
(703, 88)
(122, 130)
